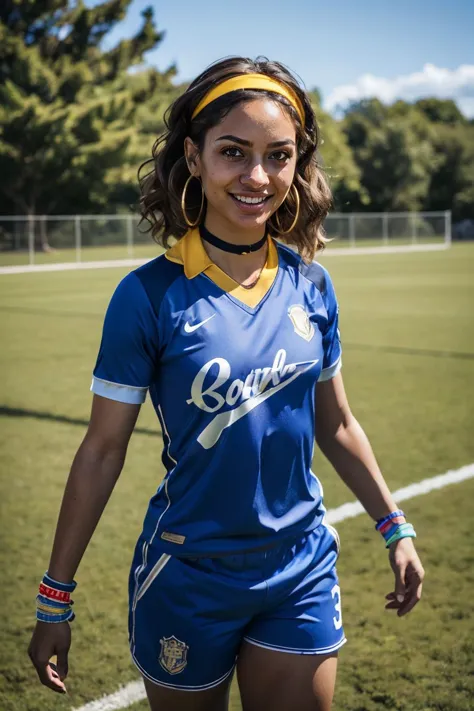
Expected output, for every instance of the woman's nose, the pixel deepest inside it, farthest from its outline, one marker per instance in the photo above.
(256, 178)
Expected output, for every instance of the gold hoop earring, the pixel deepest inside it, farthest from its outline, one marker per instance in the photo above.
(295, 220)
(183, 203)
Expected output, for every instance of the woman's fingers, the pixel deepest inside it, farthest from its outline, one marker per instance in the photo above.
(413, 591)
(49, 676)
(54, 678)
(47, 641)
(400, 572)
(62, 662)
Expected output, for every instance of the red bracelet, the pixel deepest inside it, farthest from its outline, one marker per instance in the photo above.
(393, 522)
(53, 594)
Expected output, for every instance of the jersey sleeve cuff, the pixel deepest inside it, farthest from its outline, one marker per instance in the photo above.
(328, 373)
(129, 394)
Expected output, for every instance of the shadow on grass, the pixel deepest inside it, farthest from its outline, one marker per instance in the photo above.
(38, 415)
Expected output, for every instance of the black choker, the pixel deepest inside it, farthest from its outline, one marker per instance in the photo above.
(227, 246)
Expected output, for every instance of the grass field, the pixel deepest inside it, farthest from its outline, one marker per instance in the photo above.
(150, 250)
(408, 337)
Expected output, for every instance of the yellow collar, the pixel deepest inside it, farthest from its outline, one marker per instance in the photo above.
(189, 251)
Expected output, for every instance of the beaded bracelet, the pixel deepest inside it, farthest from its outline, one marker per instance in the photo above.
(53, 602)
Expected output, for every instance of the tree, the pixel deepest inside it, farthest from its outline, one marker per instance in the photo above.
(393, 148)
(336, 157)
(67, 107)
(452, 183)
(157, 92)
(441, 111)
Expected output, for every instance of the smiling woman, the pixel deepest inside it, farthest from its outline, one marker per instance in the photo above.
(239, 113)
(236, 338)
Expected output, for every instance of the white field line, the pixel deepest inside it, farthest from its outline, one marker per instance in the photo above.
(104, 264)
(121, 699)
(71, 266)
(135, 691)
(454, 476)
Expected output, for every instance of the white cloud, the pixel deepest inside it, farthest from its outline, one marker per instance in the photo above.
(457, 84)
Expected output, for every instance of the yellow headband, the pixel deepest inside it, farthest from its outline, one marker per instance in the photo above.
(251, 81)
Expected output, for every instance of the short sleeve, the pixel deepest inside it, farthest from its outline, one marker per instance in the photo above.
(128, 352)
(331, 336)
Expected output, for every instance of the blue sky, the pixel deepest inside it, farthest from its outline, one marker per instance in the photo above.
(346, 48)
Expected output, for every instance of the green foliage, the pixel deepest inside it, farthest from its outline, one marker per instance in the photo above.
(441, 111)
(67, 107)
(154, 92)
(76, 123)
(413, 156)
(393, 148)
(452, 182)
(337, 158)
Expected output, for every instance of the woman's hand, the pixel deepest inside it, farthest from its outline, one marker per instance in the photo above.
(409, 576)
(49, 640)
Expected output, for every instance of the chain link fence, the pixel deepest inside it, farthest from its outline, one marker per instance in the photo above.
(46, 239)
(389, 228)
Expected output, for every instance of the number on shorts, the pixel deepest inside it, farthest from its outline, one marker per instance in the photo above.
(336, 591)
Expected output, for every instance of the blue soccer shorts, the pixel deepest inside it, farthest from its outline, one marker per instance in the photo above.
(188, 616)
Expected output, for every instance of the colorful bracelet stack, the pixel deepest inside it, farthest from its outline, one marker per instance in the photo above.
(394, 527)
(53, 602)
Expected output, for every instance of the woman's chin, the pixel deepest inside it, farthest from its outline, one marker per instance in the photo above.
(249, 222)
(237, 219)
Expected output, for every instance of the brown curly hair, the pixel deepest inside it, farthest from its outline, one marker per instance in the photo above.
(162, 177)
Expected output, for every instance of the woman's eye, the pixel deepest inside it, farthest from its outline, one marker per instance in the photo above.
(232, 152)
(281, 156)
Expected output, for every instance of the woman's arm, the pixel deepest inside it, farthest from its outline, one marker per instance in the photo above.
(344, 443)
(94, 472)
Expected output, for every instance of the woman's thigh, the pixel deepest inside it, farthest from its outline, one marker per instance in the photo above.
(185, 628)
(163, 699)
(282, 681)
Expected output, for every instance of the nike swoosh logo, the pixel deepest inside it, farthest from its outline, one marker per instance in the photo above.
(189, 329)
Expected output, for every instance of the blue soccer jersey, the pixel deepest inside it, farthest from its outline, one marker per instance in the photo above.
(231, 373)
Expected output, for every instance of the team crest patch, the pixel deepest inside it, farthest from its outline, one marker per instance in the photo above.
(173, 657)
(301, 323)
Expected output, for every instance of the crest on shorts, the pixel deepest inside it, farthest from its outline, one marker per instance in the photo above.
(301, 323)
(173, 656)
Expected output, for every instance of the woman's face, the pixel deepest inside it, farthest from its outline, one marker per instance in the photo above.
(247, 165)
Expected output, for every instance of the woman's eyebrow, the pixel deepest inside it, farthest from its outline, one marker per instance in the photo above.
(243, 142)
(284, 142)
(235, 139)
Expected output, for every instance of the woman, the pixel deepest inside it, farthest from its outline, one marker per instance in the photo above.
(236, 338)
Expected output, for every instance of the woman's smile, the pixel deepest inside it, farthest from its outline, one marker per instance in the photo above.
(250, 205)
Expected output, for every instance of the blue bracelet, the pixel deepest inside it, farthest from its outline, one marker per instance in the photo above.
(393, 529)
(53, 603)
(382, 521)
(54, 619)
(65, 587)
(389, 533)
(406, 532)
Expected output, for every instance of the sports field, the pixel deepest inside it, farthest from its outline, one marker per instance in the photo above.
(408, 336)
(150, 250)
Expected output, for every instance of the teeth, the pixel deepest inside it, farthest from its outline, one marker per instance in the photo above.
(249, 200)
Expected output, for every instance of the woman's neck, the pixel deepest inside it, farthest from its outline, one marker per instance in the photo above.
(228, 232)
(243, 268)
